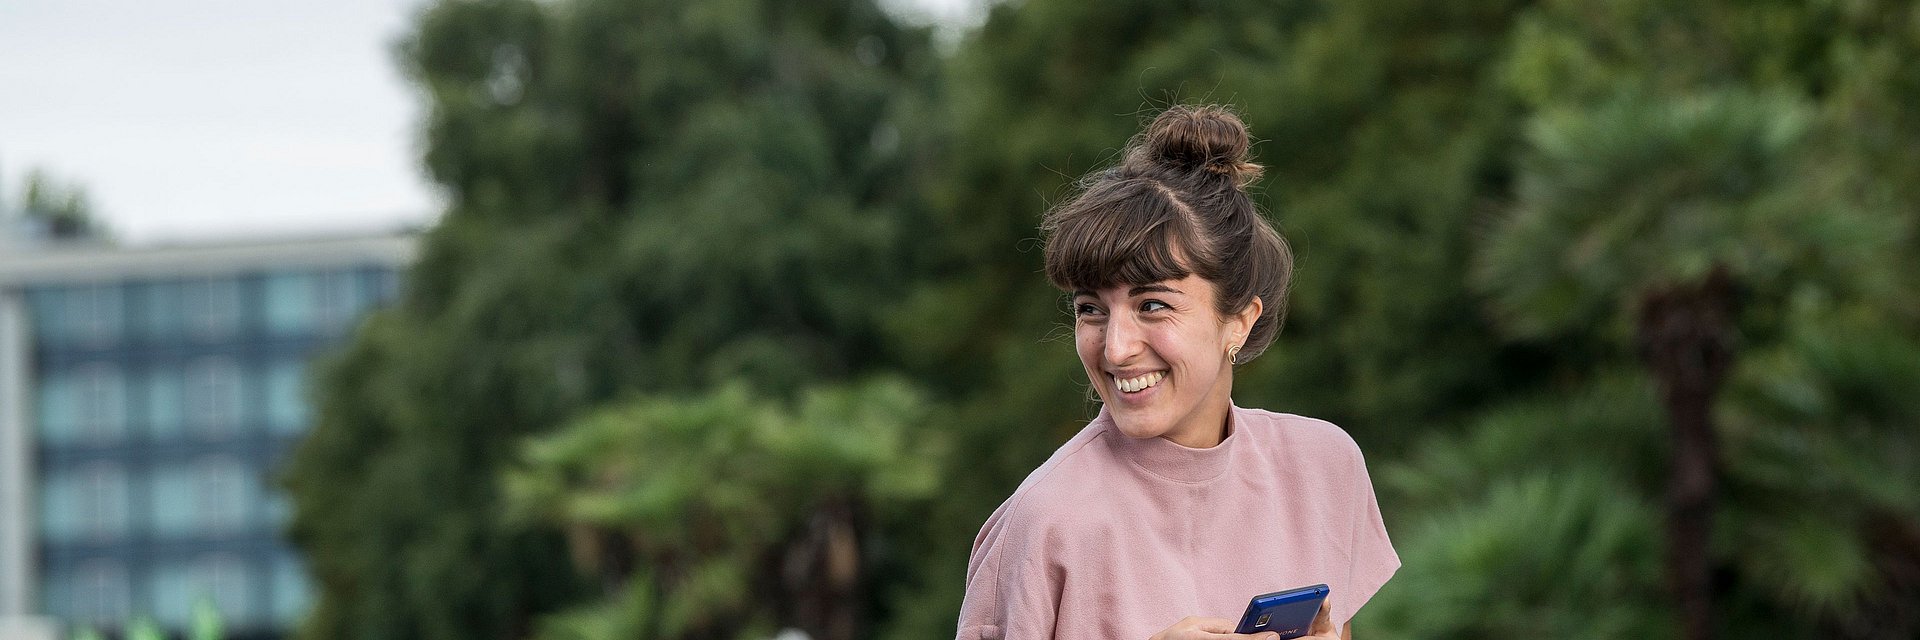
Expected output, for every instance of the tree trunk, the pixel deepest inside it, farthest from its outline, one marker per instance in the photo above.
(823, 574)
(1685, 337)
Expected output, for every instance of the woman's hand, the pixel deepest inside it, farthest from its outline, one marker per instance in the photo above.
(1221, 628)
(1191, 628)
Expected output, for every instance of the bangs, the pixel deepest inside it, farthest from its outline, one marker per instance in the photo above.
(1125, 233)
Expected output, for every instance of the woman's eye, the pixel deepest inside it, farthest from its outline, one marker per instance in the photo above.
(1085, 309)
(1153, 305)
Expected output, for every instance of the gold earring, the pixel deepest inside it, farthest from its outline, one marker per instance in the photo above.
(1233, 354)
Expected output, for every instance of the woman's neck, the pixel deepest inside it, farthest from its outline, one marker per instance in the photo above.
(1206, 426)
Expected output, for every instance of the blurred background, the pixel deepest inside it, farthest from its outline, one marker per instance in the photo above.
(580, 319)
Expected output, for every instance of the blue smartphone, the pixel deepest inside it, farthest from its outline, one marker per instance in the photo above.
(1289, 613)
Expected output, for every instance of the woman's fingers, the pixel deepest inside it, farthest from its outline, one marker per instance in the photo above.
(1323, 621)
(1223, 628)
(1197, 628)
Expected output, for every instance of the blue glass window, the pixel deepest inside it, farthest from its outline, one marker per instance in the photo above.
(166, 402)
(47, 308)
(86, 315)
(226, 579)
(102, 393)
(213, 497)
(212, 307)
(340, 302)
(57, 408)
(287, 396)
(84, 504)
(214, 400)
(93, 593)
(171, 507)
(164, 313)
(170, 593)
(291, 301)
(174, 588)
(83, 405)
(224, 494)
(291, 590)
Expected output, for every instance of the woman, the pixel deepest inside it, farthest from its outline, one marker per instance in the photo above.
(1173, 507)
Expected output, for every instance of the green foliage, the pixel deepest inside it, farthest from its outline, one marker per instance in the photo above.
(1560, 554)
(705, 490)
(144, 629)
(614, 403)
(1536, 521)
(1642, 193)
(62, 206)
(643, 196)
(206, 623)
(1820, 425)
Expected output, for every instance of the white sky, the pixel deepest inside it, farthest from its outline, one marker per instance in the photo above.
(207, 118)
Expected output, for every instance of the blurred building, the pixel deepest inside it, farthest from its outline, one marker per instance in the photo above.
(147, 396)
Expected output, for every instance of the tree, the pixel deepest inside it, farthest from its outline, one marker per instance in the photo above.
(1655, 213)
(643, 197)
(725, 516)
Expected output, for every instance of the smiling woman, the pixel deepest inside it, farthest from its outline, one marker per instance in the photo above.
(1171, 508)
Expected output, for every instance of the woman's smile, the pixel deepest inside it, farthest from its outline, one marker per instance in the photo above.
(1138, 384)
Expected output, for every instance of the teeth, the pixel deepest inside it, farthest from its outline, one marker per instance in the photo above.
(1134, 385)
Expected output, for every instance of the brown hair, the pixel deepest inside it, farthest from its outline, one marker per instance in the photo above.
(1176, 205)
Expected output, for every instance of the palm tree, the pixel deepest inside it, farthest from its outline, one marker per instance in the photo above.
(1644, 219)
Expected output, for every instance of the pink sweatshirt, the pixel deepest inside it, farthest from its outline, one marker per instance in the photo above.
(1116, 538)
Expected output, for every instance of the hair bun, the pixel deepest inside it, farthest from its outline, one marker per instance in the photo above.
(1190, 138)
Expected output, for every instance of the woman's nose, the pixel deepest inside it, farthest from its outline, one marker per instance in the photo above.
(1123, 339)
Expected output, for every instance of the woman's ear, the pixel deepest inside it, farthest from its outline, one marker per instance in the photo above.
(1244, 320)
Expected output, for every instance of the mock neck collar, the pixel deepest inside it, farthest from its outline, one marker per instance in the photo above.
(1171, 460)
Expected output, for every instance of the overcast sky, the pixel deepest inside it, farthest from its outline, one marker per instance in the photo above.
(216, 118)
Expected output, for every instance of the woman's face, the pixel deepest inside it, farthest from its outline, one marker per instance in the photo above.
(1157, 355)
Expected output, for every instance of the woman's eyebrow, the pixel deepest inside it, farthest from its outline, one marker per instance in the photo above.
(1152, 288)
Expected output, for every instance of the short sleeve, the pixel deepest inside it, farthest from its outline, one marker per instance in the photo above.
(1371, 560)
(1010, 594)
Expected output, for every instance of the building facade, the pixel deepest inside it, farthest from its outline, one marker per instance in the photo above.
(147, 398)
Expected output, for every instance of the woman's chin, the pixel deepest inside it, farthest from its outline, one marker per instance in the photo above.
(1136, 427)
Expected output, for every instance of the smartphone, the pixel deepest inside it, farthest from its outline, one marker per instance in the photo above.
(1289, 613)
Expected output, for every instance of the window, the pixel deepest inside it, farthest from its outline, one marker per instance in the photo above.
(339, 301)
(174, 588)
(213, 396)
(87, 315)
(94, 313)
(85, 504)
(291, 591)
(58, 409)
(102, 394)
(83, 405)
(103, 501)
(171, 507)
(99, 593)
(166, 406)
(212, 307)
(169, 593)
(287, 396)
(291, 299)
(47, 309)
(222, 493)
(163, 313)
(225, 580)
